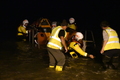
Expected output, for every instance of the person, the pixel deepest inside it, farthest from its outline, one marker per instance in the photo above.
(54, 24)
(110, 47)
(55, 47)
(75, 45)
(72, 25)
(22, 31)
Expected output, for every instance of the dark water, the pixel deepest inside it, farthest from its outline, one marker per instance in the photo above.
(22, 61)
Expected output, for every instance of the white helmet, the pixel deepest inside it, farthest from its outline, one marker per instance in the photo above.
(54, 23)
(71, 20)
(25, 21)
(78, 36)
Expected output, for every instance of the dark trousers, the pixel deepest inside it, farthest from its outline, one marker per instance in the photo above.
(111, 58)
(20, 38)
(56, 57)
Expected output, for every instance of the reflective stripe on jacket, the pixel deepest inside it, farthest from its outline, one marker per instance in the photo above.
(113, 41)
(55, 41)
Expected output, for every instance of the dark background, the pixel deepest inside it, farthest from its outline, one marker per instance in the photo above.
(87, 13)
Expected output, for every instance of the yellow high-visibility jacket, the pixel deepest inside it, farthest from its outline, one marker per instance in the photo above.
(21, 30)
(76, 47)
(113, 41)
(54, 41)
(72, 26)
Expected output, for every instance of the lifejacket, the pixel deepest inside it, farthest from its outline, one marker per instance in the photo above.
(22, 30)
(72, 26)
(113, 41)
(54, 41)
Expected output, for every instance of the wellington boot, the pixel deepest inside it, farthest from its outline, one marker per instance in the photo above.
(59, 68)
(51, 66)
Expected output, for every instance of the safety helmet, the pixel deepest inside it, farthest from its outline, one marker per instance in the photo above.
(78, 36)
(71, 20)
(54, 23)
(25, 21)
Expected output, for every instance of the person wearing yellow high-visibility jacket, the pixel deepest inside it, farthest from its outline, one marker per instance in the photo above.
(75, 46)
(111, 47)
(22, 31)
(55, 45)
(72, 24)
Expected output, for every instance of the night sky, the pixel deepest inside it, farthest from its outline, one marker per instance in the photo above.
(87, 13)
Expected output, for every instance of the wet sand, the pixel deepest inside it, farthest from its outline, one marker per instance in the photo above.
(22, 61)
